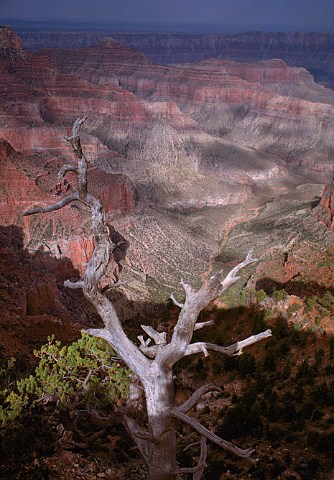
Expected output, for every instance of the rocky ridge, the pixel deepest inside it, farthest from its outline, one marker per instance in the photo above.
(266, 106)
(313, 51)
(147, 127)
(35, 94)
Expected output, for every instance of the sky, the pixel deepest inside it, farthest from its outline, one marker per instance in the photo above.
(302, 13)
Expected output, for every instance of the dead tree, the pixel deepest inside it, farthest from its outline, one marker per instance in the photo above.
(152, 365)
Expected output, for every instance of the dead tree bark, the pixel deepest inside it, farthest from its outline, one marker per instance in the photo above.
(152, 365)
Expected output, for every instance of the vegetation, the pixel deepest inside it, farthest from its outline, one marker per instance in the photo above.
(152, 381)
(284, 405)
(85, 373)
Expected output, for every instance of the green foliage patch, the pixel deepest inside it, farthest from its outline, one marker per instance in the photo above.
(86, 373)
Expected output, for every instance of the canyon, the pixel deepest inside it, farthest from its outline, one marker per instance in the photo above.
(200, 148)
(312, 50)
(266, 107)
(179, 154)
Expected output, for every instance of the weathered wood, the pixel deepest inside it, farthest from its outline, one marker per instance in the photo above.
(230, 447)
(195, 397)
(235, 349)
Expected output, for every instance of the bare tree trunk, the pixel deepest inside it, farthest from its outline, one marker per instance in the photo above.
(159, 394)
(152, 365)
(163, 460)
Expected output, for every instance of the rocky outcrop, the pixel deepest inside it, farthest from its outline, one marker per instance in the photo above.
(32, 303)
(273, 74)
(38, 103)
(10, 44)
(191, 137)
(27, 180)
(269, 107)
(325, 210)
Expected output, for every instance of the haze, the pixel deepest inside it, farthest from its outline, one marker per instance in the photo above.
(283, 14)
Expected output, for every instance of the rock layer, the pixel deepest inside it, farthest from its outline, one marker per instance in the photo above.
(26, 181)
(266, 106)
(325, 210)
(314, 51)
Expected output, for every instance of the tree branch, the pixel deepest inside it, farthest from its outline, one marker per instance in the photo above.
(159, 338)
(198, 470)
(74, 285)
(150, 352)
(189, 470)
(202, 459)
(143, 445)
(231, 278)
(89, 440)
(67, 168)
(195, 397)
(230, 447)
(113, 332)
(176, 303)
(51, 208)
(194, 303)
(120, 283)
(235, 349)
(200, 325)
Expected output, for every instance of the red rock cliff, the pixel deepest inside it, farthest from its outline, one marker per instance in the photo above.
(27, 181)
(312, 50)
(325, 210)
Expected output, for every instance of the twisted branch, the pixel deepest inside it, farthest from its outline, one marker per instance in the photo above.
(194, 303)
(235, 349)
(51, 208)
(195, 397)
(230, 447)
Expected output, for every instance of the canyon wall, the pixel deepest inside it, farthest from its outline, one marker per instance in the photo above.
(266, 106)
(178, 154)
(324, 213)
(313, 51)
(204, 144)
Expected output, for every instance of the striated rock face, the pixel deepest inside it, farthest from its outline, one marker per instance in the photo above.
(27, 181)
(313, 51)
(273, 74)
(325, 210)
(10, 44)
(205, 144)
(266, 106)
(37, 102)
(32, 303)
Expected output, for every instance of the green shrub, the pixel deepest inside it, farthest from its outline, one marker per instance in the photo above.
(260, 295)
(84, 373)
(323, 313)
(311, 303)
(294, 308)
(327, 300)
(279, 295)
(297, 326)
